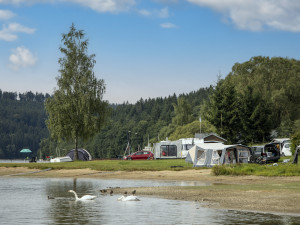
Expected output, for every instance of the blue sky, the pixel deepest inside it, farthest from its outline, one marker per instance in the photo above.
(148, 48)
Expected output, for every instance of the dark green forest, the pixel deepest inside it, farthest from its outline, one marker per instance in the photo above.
(22, 123)
(258, 100)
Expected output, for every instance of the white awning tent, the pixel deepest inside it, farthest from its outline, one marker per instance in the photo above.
(210, 154)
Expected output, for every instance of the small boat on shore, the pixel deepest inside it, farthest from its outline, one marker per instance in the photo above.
(61, 159)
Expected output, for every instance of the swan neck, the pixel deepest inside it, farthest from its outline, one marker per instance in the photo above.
(76, 196)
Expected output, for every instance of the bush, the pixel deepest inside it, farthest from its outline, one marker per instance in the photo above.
(295, 141)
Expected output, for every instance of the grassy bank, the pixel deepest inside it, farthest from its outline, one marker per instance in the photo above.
(287, 169)
(110, 165)
(283, 169)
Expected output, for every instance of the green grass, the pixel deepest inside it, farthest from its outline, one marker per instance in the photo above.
(282, 169)
(110, 165)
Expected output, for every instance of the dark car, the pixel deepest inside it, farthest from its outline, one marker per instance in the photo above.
(265, 154)
(140, 155)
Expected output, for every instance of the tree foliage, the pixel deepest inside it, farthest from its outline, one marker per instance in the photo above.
(77, 109)
(22, 123)
(257, 96)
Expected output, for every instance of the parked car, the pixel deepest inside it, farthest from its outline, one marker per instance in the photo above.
(286, 150)
(140, 155)
(265, 154)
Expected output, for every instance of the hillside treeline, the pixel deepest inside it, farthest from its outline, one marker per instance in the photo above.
(22, 123)
(134, 123)
(258, 100)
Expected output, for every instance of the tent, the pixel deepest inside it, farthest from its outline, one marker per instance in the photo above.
(210, 154)
(82, 154)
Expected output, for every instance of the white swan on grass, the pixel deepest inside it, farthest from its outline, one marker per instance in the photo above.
(83, 198)
(128, 198)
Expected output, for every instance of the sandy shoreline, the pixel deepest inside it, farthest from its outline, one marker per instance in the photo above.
(250, 193)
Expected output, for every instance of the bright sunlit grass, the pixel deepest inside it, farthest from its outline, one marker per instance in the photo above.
(282, 169)
(110, 165)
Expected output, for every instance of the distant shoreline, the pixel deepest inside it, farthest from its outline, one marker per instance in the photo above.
(247, 193)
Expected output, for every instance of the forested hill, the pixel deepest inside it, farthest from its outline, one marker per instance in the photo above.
(259, 99)
(146, 118)
(22, 123)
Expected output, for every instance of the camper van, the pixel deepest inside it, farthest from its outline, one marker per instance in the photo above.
(179, 149)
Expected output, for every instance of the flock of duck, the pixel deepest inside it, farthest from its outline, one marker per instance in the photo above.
(125, 197)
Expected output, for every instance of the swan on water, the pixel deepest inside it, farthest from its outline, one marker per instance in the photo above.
(85, 197)
(128, 198)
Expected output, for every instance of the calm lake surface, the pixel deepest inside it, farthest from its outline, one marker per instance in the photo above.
(25, 201)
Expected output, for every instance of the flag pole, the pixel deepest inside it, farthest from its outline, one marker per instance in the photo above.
(200, 124)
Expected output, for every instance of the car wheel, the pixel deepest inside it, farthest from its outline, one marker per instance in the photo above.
(129, 158)
(283, 155)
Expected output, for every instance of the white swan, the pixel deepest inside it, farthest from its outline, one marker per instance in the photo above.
(128, 198)
(85, 197)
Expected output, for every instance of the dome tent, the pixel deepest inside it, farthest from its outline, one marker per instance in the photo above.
(82, 154)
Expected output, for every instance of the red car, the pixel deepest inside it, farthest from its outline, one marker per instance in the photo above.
(140, 155)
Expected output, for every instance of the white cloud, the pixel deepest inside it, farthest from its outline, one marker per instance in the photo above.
(8, 33)
(15, 27)
(21, 57)
(168, 25)
(163, 13)
(105, 5)
(6, 14)
(257, 15)
(97, 5)
(145, 12)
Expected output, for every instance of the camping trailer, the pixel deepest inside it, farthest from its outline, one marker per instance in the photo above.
(174, 149)
(168, 150)
(210, 154)
(179, 148)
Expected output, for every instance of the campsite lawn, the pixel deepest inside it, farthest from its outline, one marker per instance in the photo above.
(110, 165)
(283, 169)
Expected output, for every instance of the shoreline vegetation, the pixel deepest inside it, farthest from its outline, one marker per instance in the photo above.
(269, 192)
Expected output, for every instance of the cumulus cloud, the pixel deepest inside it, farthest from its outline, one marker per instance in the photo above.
(21, 57)
(97, 5)
(257, 15)
(6, 14)
(168, 25)
(8, 33)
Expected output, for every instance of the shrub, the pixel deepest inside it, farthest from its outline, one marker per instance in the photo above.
(295, 141)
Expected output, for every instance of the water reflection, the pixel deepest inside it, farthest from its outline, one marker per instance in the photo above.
(24, 201)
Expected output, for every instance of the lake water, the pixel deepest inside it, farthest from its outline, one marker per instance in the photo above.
(25, 201)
